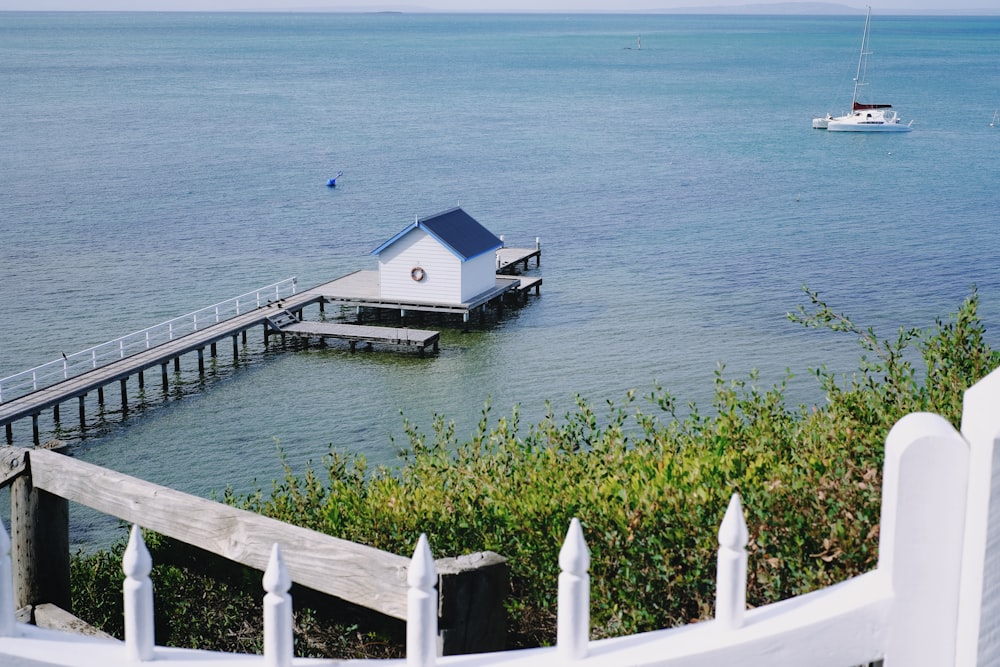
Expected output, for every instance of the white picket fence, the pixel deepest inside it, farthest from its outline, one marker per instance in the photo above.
(934, 598)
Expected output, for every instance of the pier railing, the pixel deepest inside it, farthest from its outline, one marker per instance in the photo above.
(933, 599)
(87, 360)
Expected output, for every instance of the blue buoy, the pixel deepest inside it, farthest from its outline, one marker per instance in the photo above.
(332, 183)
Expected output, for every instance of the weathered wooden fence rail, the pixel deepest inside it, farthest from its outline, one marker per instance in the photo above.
(43, 482)
(934, 598)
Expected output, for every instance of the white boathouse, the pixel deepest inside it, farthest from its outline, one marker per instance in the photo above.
(447, 258)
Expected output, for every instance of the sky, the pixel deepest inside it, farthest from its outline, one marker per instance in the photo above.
(878, 6)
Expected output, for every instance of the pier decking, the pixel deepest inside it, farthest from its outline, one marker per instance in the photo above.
(358, 333)
(120, 370)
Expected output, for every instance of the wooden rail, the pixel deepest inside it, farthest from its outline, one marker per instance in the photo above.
(42, 482)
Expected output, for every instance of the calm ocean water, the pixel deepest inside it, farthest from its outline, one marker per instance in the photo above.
(153, 164)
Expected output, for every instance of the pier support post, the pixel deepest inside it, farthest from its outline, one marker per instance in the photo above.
(55, 413)
(214, 350)
(177, 364)
(244, 336)
(124, 395)
(39, 523)
(10, 433)
(236, 349)
(163, 376)
(201, 361)
(100, 396)
(34, 431)
(142, 381)
(83, 413)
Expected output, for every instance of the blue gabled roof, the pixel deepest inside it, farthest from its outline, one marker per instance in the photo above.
(454, 229)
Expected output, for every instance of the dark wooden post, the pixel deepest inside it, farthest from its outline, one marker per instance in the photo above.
(39, 523)
(471, 591)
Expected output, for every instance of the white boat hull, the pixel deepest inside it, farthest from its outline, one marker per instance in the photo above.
(875, 120)
(868, 127)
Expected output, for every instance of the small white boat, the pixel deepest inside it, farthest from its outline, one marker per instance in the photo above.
(996, 119)
(869, 118)
(863, 117)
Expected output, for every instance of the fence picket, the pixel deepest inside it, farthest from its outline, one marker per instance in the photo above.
(138, 594)
(421, 616)
(573, 623)
(279, 648)
(6, 586)
(731, 573)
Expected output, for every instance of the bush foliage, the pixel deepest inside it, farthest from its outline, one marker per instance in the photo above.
(650, 479)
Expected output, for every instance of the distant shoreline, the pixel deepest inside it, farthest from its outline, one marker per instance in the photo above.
(774, 9)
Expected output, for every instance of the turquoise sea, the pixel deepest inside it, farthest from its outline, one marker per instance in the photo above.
(152, 164)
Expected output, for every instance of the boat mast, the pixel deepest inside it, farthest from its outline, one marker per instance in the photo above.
(861, 58)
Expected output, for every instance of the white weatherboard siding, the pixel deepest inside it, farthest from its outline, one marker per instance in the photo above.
(478, 275)
(442, 270)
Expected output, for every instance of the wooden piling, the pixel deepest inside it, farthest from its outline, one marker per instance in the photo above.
(39, 545)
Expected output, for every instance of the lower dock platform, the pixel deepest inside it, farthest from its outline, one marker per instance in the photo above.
(358, 333)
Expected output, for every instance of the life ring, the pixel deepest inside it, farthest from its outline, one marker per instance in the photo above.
(417, 273)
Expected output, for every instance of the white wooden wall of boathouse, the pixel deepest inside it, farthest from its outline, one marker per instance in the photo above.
(933, 599)
(446, 279)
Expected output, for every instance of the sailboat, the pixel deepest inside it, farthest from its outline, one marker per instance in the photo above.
(864, 117)
(996, 119)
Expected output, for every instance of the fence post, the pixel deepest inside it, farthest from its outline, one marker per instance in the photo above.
(573, 623)
(7, 608)
(279, 642)
(472, 588)
(731, 571)
(138, 594)
(978, 641)
(39, 527)
(924, 491)
(421, 612)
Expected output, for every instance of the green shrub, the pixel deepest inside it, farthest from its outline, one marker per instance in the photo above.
(649, 484)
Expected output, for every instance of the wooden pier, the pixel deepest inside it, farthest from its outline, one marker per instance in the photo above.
(280, 316)
(361, 288)
(32, 404)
